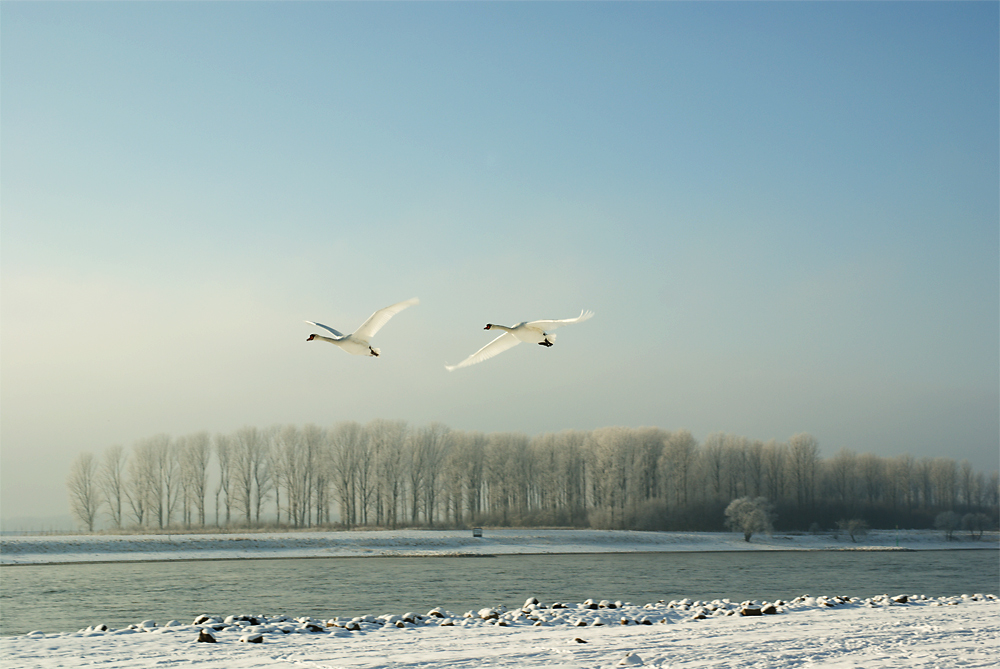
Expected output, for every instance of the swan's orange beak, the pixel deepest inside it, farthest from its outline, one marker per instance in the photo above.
(310, 337)
(488, 326)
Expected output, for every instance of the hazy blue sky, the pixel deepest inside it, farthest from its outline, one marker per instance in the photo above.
(785, 216)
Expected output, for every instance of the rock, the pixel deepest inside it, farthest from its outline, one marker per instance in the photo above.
(769, 609)
(630, 660)
(147, 624)
(252, 638)
(750, 611)
(435, 613)
(900, 599)
(578, 640)
(206, 636)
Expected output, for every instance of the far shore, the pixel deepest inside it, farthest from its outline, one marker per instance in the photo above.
(96, 548)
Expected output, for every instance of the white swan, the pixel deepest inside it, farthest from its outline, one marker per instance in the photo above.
(535, 332)
(357, 342)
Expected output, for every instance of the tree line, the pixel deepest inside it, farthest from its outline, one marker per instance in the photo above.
(389, 474)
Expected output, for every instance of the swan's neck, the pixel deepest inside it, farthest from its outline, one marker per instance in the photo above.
(321, 337)
(494, 326)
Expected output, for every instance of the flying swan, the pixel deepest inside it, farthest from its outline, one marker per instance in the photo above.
(535, 332)
(357, 342)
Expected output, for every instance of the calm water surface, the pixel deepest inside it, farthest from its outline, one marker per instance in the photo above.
(62, 598)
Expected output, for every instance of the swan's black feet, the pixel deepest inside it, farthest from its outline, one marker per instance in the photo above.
(545, 342)
(374, 352)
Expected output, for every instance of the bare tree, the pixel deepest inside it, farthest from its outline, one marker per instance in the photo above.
(84, 491)
(713, 459)
(754, 468)
(388, 439)
(194, 453)
(775, 468)
(319, 450)
(145, 483)
(803, 466)
(291, 469)
(252, 480)
(168, 463)
(944, 477)
(345, 443)
(224, 448)
(112, 480)
(843, 475)
(472, 448)
(872, 471)
(679, 453)
(431, 447)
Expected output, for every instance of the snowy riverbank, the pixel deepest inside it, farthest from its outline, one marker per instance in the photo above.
(876, 633)
(148, 547)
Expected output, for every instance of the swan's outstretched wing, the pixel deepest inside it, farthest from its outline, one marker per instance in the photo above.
(552, 325)
(495, 347)
(326, 327)
(380, 318)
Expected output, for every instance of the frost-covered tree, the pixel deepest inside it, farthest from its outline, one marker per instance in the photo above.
(750, 516)
(855, 527)
(346, 439)
(949, 521)
(84, 490)
(976, 524)
(112, 480)
(224, 452)
(194, 452)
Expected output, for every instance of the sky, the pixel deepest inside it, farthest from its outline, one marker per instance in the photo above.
(786, 217)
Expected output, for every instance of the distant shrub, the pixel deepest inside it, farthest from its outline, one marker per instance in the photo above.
(949, 521)
(855, 527)
(750, 516)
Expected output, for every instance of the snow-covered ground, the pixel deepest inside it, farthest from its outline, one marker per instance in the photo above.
(114, 548)
(884, 632)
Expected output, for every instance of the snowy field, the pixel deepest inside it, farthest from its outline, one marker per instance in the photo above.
(883, 632)
(115, 548)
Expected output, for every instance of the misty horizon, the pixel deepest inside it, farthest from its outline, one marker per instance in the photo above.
(786, 218)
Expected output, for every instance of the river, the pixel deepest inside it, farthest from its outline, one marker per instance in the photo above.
(67, 597)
